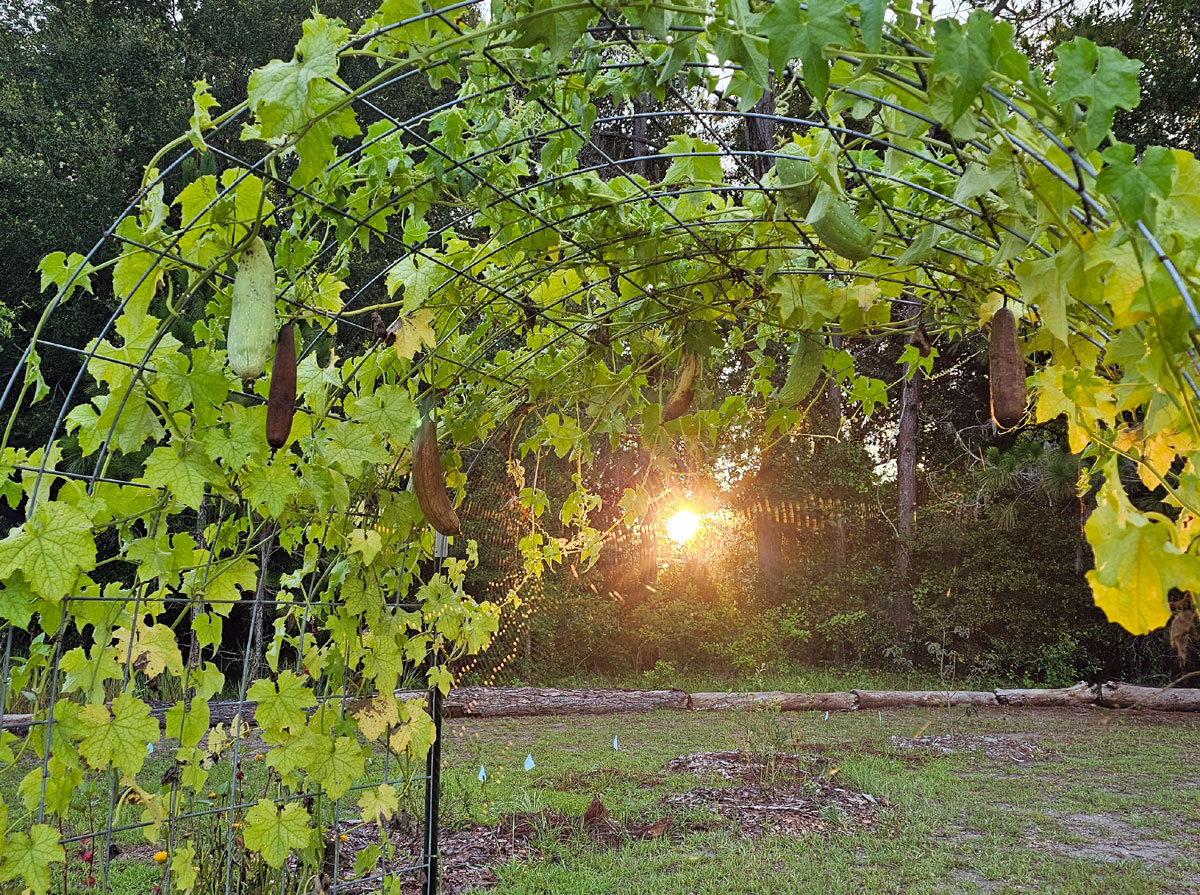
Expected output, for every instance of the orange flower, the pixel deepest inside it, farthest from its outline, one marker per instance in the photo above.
(160, 856)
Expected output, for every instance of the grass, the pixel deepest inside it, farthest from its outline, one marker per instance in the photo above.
(1114, 786)
(1113, 807)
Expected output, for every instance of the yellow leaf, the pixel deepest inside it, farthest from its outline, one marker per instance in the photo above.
(412, 332)
(376, 715)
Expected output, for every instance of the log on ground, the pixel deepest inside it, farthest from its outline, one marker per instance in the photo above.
(1115, 694)
(1078, 695)
(483, 702)
(894, 699)
(787, 702)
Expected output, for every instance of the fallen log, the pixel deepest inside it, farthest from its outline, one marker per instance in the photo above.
(484, 702)
(895, 699)
(1078, 695)
(499, 702)
(1117, 695)
(787, 702)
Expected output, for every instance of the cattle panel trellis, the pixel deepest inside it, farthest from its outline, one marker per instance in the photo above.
(594, 200)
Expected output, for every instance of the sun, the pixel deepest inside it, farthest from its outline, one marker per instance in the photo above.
(682, 526)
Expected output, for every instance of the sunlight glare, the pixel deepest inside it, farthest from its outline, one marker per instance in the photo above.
(682, 526)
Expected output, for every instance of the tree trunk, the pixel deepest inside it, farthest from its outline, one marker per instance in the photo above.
(769, 541)
(906, 476)
(640, 147)
(760, 134)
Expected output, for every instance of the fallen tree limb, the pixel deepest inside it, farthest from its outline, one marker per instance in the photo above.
(787, 702)
(513, 702)
(891, 699)
(1080, 694)
(499, 702)
(1167, 699)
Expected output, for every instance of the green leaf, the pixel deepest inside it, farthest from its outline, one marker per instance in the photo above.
(335, 764)
(390, 411)
(28, 856)
(365, 543)
(163, 557)
(58, 268)
(379, 804)
(16, 600)
(1134, 185)
(226, 583)
(202, 384)
(290, 97)
(551, 27)
(201, 120)
(241, 436)
(185, 723)
(689, 167)
(315, 148)
(963, 55)
(183, 473)
(871, 23)
(50, 549)
(279, 91)
(281, 703)
(352, 446)
(183, 868)
(118, 739)
(1101, 79)
(270, 487)
(1042, 285)
(735, 36)
(793, 35)
(274, 833)
(88, 674)
(419, 276)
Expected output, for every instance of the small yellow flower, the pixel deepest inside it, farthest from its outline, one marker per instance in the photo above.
(160, 856)
(258, 757)
(342, 837)
(212, 795)
(237, 825)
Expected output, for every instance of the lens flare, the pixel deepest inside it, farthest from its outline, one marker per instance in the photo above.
(682, 526)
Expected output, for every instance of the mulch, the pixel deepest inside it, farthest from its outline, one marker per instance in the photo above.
(781, 794)
(1020, 748)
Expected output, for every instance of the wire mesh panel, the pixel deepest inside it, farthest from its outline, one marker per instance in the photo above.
(636, 236)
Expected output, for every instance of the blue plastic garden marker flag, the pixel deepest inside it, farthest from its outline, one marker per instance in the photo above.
(529, 765)
(482, 774)
(615, 746)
